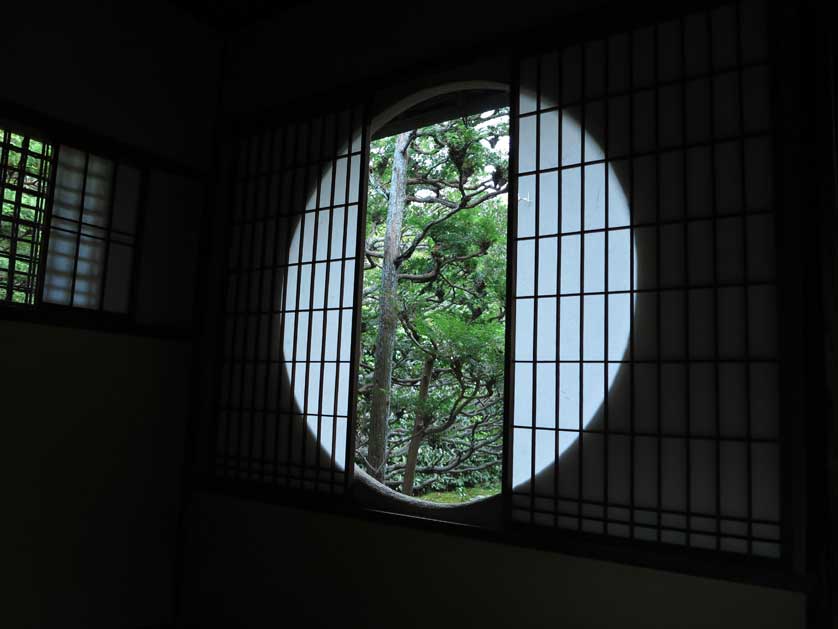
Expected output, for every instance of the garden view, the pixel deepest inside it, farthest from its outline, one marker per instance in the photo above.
(430, 408)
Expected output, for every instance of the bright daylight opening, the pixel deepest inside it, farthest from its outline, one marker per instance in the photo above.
(430, 391)
(24, 178)
(433, 300)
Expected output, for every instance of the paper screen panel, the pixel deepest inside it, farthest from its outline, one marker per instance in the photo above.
(645, 366)
(92, 236)
(283, 405)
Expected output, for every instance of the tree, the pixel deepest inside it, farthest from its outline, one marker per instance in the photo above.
(433, 308)
(24, 173)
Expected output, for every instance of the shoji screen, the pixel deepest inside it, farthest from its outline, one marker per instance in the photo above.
(92, 232)
(284, 396)
(645, 383)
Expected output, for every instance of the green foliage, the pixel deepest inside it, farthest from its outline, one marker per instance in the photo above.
(24, 172)
(451, 304)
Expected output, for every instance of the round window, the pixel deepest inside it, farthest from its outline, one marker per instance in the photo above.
(433, 301)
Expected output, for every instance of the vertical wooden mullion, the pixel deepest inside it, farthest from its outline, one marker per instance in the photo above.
(583, 233)
(659, 361)
(606, 298)
(216, 445)
(15, 220)
(270, 310)
(715, 215)
(301, 128)
(233, 309)
(559, 239)
(360, 239)
(633, 286)
(688, 291)
(260, 220)
(745, 280)
(287, 182)
(330, 158)
(79, 228)
(251, 178)
(316, 212)
(533, 419)
(4, 159)
(139, 238)
(511, 287)
(46, 225)
(111, 201)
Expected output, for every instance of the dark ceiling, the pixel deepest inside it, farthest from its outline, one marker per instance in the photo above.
(227, 15)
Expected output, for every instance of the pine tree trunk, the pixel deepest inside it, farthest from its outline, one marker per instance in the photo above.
(388, 313)
(420, 422)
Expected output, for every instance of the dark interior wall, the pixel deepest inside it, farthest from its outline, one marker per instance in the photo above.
(319, 45)
(138, 72)
(257, 565)
(94, 440)
(94, 422)
(172, 231)
(250, 564)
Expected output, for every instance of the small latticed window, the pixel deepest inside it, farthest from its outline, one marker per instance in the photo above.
(68, 230)
(25, 168)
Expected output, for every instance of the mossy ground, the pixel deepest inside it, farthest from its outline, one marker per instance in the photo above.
(463, 494)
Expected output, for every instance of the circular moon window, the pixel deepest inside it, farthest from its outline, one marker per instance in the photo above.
(434, 308)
